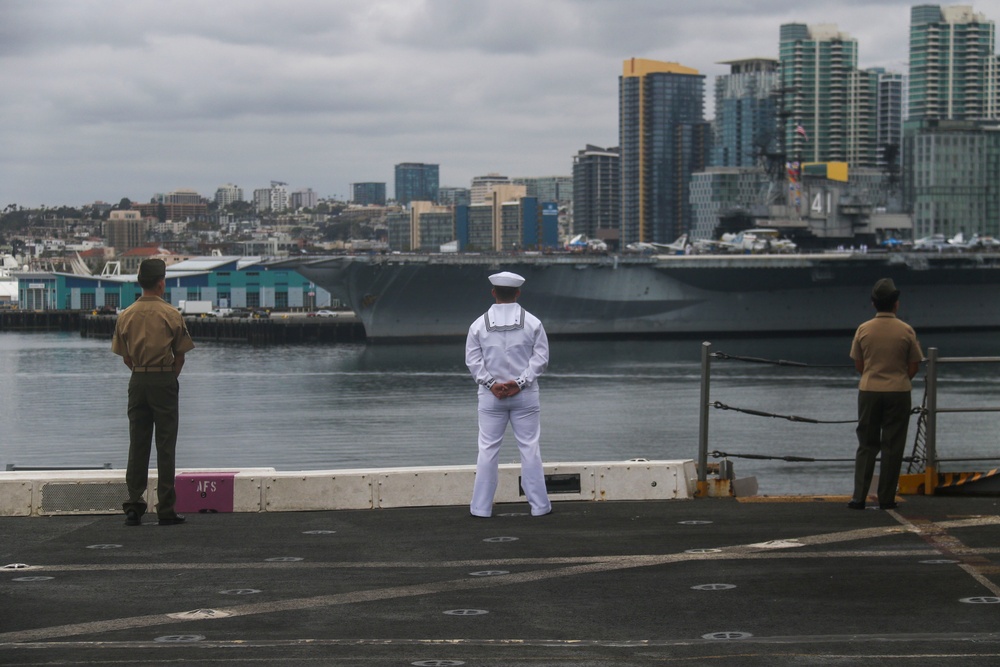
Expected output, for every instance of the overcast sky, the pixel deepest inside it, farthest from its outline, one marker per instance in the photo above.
(104, 99)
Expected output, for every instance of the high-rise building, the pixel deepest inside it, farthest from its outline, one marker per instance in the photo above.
(125, 230)
(274, 198)
(663, 140)
(183, 196)
(416, 181)
(952, 177)
(557, 189)
(597, 192)
(228, 194)
(368, 194)
(306, 198)
(953, 66)
(431, 226)
(951, 166)
(746, 120)
(827, 103)
(482, 187)
(889, 113)
(454, 196)
(519, 223)
(721, 190)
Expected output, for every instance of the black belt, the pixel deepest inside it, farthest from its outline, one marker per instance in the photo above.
(152, 369)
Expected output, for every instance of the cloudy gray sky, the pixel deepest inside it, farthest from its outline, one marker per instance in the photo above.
(104, 99)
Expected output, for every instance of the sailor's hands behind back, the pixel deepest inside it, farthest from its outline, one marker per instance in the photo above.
(505, 390)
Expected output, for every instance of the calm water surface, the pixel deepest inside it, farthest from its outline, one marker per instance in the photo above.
(62, 403)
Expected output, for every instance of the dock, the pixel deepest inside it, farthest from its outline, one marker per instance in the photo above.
(680, 581)
(278, 329)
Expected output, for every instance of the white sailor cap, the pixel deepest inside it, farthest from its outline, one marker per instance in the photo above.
(506, 279)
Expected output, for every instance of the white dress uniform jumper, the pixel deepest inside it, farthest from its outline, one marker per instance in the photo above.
(508, 343)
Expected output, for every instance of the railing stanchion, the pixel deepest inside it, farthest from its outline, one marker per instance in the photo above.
(930, 466)
(706, 362)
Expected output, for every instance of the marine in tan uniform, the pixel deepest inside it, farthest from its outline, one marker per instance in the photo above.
(152, 339)
(886, 352)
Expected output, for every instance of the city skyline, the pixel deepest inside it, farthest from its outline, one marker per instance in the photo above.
(126, 99)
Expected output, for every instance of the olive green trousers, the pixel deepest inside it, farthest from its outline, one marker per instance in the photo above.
(152, 411)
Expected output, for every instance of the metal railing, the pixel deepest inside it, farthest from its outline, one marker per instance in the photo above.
(929, 412)
(932, 411)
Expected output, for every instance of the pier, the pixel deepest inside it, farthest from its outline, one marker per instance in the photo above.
(278, 329)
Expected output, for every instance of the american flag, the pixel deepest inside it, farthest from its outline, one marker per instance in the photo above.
(802, 131)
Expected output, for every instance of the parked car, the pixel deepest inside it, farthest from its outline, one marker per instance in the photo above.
(107, 310)
(322, 313)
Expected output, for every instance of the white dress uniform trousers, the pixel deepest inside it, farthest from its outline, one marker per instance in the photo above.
(508, 343)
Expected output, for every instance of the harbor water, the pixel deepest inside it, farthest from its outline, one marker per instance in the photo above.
(338, 406)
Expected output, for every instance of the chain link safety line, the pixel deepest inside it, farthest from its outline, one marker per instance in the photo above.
(791, 459)
(775, 362)
(719, 405)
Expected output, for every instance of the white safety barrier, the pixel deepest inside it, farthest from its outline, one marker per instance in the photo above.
(68, 492)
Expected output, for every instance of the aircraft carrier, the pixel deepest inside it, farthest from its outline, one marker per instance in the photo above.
(427, 297)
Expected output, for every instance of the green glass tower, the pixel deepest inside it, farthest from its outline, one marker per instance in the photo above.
(953, 69)
(828, 104)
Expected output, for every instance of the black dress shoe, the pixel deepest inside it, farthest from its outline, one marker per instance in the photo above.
(888, 506)
(855, 505)
(172, 520)
(132, 518)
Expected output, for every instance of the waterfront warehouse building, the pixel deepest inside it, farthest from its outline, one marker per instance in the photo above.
(416, 181)
(663, 138)
(228, 282)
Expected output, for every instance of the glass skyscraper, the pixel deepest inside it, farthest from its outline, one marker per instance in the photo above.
(953, 66)
(829, 103)
(416, 181)
(368, 194)
(663, 140)
(951, 175)
(597, 192)
(746, 120)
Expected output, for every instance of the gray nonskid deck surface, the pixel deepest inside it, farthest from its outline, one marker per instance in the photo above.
(679, 582)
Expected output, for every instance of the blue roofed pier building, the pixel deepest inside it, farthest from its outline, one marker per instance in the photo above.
(228, 282)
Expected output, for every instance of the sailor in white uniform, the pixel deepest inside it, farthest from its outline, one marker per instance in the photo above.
(506, 351)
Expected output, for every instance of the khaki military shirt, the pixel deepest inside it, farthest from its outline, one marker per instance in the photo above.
(887, 346)
(151, 332)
